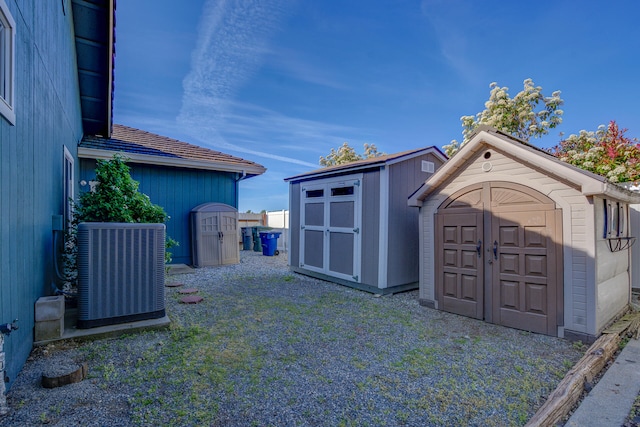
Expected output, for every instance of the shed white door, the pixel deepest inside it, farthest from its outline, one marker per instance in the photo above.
(330, 227)
(498, 257)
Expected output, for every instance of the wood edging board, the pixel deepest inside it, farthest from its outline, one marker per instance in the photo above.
(568, 392)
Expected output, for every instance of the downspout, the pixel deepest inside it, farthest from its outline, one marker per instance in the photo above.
(4, 330)
(242, 176)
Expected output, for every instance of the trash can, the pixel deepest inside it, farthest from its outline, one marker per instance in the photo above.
(246, 238)
(269, 243)
(257, 244)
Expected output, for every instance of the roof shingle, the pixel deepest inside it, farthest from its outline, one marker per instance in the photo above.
(138, 142)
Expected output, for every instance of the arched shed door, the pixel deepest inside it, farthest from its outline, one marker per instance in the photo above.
(499, 257)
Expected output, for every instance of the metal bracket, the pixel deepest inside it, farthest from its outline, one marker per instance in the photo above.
(6, 328)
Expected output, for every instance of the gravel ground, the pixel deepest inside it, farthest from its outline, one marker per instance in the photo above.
(268, 347)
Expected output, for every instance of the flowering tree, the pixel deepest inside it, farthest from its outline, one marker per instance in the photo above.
(526, 115)
(607, 152)
(346, 154)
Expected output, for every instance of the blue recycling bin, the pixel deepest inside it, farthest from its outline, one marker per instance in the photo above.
(269, 243)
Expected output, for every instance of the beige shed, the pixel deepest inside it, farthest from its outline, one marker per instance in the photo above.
(511, 235)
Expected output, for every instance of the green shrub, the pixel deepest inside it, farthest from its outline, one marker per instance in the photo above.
(115, 198)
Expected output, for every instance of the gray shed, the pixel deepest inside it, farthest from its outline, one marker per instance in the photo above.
(214, 228)
(350, 224)
(513, 236)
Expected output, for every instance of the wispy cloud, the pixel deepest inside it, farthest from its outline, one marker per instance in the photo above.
(232, 46)
(300, 67)
(450, 22)
(232, 42)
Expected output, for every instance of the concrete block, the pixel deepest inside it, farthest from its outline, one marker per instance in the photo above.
(50, 308)
(48, 330)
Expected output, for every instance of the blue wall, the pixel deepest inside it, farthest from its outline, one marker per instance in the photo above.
(178, 191)
(31, 161)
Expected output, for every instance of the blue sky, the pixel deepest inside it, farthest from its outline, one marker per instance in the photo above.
(281, 82)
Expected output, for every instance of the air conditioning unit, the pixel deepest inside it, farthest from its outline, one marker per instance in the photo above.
(120, 273)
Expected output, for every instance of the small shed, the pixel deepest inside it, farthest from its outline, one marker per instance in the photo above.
(174, 174)
(350, 224)
(511, 235)
(214, 235)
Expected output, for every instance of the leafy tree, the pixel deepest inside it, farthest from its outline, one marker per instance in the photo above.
(607, 152)
(527, 115)
(346, 154)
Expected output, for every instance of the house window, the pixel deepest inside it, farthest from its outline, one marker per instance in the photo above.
(622, 220)
(68, 186)
(7, 63)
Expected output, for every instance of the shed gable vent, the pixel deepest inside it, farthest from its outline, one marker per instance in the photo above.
(427, 166)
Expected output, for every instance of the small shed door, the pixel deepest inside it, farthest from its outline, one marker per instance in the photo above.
(330, 222)
(497, 257)
(228, 238)
(461, 266)
(215, 235)
(523, 277)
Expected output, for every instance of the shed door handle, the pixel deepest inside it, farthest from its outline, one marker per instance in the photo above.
(495, 249)
(479, 247)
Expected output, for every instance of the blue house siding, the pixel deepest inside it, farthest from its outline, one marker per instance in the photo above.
(178, 191)
(48, 118)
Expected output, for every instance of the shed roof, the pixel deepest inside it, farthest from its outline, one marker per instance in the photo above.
(370, 163)
(587, 182)
(149, 148)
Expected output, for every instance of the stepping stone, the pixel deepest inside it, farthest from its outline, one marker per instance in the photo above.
(63, 374)
(173, 284)
(188, 291)
(191, 299)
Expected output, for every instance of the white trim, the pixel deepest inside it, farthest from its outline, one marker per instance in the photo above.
(383, 231)
(68, 185)
(326, 228)
(96, 153)
(7, 104)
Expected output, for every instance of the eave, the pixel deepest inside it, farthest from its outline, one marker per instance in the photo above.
(244, 170)
(94, 22)
(589, 184)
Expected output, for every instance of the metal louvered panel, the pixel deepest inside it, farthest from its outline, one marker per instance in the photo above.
(120, 273)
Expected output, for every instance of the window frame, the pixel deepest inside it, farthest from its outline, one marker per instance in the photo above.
(7, 63)
(68, 189)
